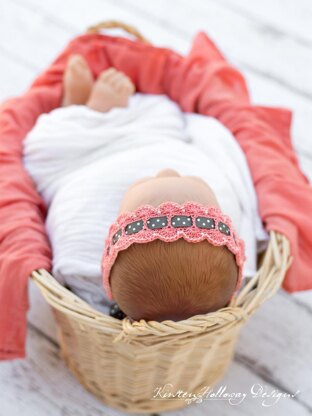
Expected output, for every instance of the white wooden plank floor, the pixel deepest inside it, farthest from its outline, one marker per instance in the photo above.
(271, 42)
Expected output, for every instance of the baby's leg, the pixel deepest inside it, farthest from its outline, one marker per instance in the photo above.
(112, 89)
(77, 81)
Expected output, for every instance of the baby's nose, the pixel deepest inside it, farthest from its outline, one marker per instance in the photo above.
(167, 172)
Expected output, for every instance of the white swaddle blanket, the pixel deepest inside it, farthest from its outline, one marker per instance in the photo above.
(82, 162)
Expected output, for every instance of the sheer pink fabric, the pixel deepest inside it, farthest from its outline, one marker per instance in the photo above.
(203, 82)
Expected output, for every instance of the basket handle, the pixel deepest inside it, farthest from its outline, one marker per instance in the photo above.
(116, 24)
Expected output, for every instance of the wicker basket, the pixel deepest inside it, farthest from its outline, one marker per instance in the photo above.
(122, 363)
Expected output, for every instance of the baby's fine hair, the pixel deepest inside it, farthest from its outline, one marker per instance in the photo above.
(176, 280)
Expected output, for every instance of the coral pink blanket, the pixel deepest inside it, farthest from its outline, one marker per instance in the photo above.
(203, 82)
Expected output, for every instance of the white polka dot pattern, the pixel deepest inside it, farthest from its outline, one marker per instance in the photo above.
(157, 223)
(205, 222)
(168, 222)
(134, 227)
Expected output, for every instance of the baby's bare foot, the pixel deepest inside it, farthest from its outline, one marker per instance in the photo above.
(77, 81)
(112, 89)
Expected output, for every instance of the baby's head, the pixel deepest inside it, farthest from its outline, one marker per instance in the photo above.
(177, 279)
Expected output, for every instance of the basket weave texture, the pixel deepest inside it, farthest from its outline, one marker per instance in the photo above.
(123, 363)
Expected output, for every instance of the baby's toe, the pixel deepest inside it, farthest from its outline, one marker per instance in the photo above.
(124, 84)
(130, 87)
(77, 61)
(117, 80)
(127, 88)
(107, 75)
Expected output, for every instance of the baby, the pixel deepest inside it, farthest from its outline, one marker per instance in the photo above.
(130, 181)
(157, 280)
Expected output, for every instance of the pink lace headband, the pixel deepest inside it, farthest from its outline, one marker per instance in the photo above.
(168, 222)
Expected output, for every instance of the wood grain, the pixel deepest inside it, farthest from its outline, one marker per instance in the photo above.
(270, 41)
(42, 385)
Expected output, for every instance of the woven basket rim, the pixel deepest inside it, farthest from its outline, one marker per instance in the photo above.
(87, 336)
(261, 287)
